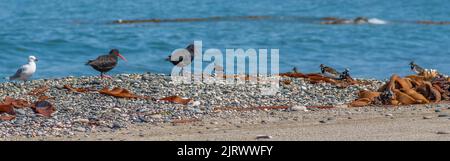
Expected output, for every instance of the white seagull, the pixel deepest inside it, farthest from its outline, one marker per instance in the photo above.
(25, 71)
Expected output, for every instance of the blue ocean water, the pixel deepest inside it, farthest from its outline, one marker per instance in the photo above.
(64, 34)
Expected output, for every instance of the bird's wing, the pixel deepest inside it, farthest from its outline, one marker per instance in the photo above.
(332, 71)
(420, 69)
(18, 72)
(103, 61)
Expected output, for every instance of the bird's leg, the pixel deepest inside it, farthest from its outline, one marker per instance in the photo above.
(102, 75)
(182, 71)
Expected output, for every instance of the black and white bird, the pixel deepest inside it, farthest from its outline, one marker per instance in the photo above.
(25, 71)
(329, 72)
(180, 62)
(416, 68)
(105, 63)
(345, 74)
(333, 73)
(386, 96)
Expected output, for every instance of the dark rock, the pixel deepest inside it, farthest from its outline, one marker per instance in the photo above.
(443, 132)
(116, 125)
(427, 117)
(263, 137)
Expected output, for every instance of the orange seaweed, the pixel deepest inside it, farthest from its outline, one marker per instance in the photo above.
(120, 93)
(7, 117)
(176, 99)
(39, 91)
(78, 90)
(44, 108)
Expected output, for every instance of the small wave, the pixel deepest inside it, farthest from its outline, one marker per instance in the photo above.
(377, 21)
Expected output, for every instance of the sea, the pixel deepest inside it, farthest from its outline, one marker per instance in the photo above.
(65, 34)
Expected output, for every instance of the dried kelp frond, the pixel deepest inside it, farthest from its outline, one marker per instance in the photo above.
(176, 99)
(44, 108)
(39, 91)
(77, 90)
(415, 89)
(318, 78)
(120, 93)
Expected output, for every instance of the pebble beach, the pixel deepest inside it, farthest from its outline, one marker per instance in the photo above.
(89, 112)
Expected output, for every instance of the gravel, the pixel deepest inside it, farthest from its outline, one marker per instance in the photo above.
(91, 111)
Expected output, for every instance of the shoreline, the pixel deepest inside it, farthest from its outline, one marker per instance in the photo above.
(93, 114)
(412, 123)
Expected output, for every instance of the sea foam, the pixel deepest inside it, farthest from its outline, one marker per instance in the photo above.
(377, 21)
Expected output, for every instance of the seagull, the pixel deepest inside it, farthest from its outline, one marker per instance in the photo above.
(329, 72)
(105, 63)
(25, 71)
(416, 68)
(180, 63)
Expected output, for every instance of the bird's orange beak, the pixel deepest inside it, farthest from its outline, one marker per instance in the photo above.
(121, 57)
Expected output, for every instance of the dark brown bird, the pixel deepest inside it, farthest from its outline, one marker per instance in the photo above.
(105, 63)
(179, 62)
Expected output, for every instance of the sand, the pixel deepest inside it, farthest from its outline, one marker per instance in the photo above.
(355, 124)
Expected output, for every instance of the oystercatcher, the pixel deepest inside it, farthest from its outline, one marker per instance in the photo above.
(105, 63)
(25, 71)
(180, 63)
